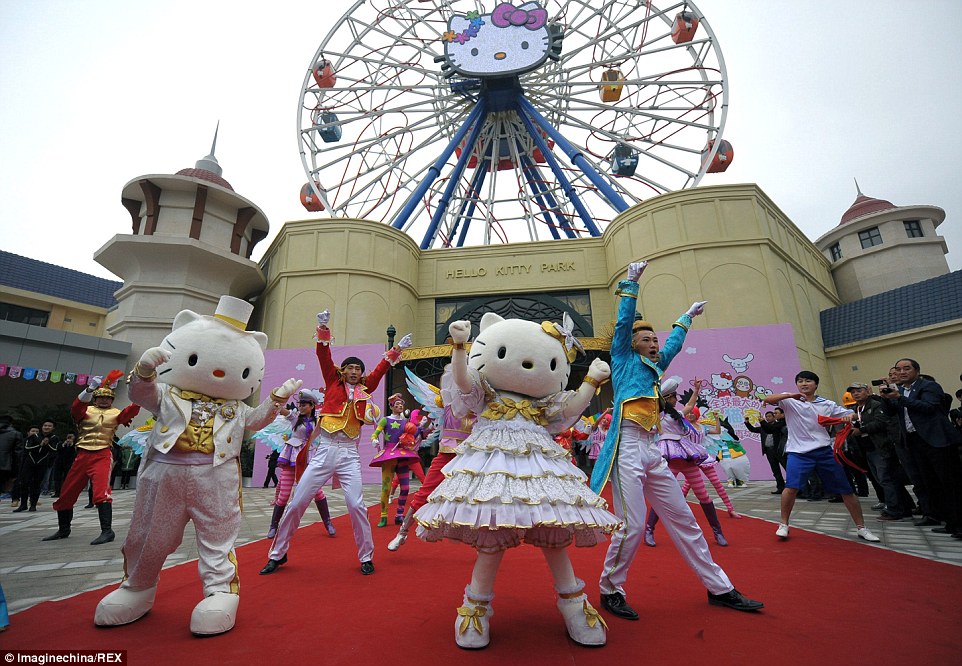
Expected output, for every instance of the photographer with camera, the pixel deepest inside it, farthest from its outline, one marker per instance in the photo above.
(876, 433)
(928, 434)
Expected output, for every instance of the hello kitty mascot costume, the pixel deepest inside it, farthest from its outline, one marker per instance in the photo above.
(194, 383)
(510, 482)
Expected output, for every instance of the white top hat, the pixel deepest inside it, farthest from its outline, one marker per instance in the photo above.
(234, 311)
(670, 385)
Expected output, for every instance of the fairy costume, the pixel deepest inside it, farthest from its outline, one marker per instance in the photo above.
(289, 434)
(398, 452)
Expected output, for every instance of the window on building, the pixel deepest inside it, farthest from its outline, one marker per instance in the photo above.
(22, 315)
(836, 252)
(870, 237)
(913, 228)
(532, 307)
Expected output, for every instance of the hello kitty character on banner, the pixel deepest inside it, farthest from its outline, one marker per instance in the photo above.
(508, 41)
(194, 383)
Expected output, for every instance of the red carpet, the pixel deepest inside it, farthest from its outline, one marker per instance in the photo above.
(828, 601)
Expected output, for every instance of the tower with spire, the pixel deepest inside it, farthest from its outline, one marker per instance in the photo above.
(878, 246)
(191, 240)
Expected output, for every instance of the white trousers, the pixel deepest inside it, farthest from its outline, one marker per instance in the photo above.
(334, 455)
(737, 469)
(640, 476)
(168, 496)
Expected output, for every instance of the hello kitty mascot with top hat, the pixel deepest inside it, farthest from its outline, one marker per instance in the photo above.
(510, 482)
(194, 383)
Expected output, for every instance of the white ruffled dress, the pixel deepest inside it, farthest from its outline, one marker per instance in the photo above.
(510, 482)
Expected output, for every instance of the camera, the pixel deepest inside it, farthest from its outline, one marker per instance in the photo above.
(879, 382)
(887, 389)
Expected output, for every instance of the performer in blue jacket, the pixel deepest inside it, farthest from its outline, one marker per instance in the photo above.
(633, 462)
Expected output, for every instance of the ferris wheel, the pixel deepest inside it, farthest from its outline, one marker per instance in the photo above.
(463, 122)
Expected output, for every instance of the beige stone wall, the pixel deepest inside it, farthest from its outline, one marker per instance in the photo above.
(364, 272)
(871, 359)
(730, 245)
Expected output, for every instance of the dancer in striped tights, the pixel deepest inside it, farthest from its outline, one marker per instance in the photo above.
(293, 460)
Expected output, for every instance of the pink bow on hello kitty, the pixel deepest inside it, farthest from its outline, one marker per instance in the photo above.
(506, 14)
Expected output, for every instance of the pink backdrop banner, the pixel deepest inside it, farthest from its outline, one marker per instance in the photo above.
(282, 364)
(740, 366)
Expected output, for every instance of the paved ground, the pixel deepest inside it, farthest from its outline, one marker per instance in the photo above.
(32, 571)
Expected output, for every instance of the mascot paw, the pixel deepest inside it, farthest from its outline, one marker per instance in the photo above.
(215, 614)
(123, 606)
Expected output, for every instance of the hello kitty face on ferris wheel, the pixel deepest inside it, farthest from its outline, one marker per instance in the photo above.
(508, 41)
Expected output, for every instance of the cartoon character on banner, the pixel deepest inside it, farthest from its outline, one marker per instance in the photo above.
(739, 365)
(743, 386)
(722, 383)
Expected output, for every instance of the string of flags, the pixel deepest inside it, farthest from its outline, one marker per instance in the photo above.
(42, 375)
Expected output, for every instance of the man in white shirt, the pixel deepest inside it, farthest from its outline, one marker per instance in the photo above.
(809, 449)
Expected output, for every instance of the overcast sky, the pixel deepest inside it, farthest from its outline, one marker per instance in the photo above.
(96, 93)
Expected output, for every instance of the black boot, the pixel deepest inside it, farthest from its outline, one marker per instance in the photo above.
(64, 518)
(275, 520)
(22, 507)
(325, 516)
(105, 510)
(712, 517)
(650, 523)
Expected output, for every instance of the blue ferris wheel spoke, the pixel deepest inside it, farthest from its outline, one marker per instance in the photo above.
(442, 208)
(477, 113)
(470, 204)
(545, 199)
(529, 113)
(558, 173)
(483, 167)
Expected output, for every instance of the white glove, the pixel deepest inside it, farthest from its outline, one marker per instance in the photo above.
(599, 370)
(405, 342)
(93, 383)
(323, 318)
(288, 388)
(460, 331)
(153, 357)
(635, 269)
(696, 308)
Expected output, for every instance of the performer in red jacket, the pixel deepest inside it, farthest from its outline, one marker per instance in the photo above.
(97, 425)
(344, 411)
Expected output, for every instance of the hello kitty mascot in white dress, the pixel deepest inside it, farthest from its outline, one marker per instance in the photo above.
(194, 384)
(510, 482)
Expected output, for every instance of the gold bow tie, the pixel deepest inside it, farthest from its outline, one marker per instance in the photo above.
(192, 395)
(507, 409)
(593, 617)
(471, 617)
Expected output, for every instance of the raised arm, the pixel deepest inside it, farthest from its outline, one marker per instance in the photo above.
(693, 399)
(460, 332)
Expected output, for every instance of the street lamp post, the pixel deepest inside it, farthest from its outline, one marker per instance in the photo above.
(389, 378)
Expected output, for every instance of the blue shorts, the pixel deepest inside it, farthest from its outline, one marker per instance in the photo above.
(822, 461)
